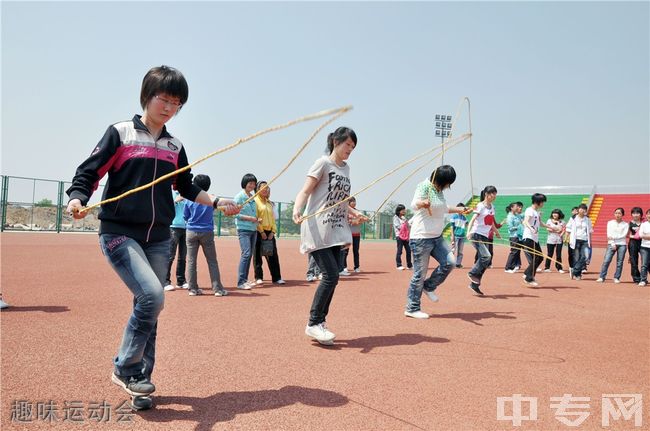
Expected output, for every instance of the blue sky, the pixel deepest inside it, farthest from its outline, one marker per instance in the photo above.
(559, 91)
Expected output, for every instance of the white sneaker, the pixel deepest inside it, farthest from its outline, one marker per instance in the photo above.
(616, 281)
(531, 283)
(416, 314)
(547, 270)
(280, 281)
(344, 272)
(321, 334)
(561, 271)
(357, 270)
(259, 281)
(320, 276)
(310, 278)
(584, 271)
(169, 287)
(432, 295)
(642, 283)
(184, 286)
(510, 271)
(245, 286)
(3, 304)
(400, 268)
(600, 280)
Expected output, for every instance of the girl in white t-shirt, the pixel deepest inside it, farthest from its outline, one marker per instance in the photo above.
(478, 230)
(532, 250)
(554, 240)
(328, 182)
(617, 231)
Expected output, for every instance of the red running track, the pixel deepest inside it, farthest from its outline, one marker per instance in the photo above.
(243, 361)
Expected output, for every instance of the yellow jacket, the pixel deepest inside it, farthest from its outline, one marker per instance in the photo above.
(265, 212)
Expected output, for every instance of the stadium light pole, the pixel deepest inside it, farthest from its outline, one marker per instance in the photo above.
(443, 130)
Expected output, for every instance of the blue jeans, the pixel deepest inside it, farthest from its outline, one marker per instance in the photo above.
(142, 267)
(483, 254)
(580, 255)
(423, 249)
(620, 258)
(247, 240)
(459, 243)
(645, 263)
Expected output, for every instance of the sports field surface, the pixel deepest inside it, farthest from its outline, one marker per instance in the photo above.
(244, 362)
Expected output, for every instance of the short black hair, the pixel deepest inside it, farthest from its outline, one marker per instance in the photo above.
(538, 198)
(622, 210)
(202, 181)
(443, 176)
(559, 213)
(461, 204)
(247, 179)
(338, 136)
(399, 208)
(519, 204)
(163, 79)
(637, 210)
(582, 206)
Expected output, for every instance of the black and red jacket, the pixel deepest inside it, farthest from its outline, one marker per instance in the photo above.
(132, 157)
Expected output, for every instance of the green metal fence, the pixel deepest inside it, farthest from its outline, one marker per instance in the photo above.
(36, 204)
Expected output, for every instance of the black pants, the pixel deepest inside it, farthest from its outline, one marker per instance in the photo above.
(534, 260)
(634, 248)
(514, 258)
(356, 240)
(571, 257)
(557, 249)
(398, 257)
(177, 240)
(272, 261)
(327, 260)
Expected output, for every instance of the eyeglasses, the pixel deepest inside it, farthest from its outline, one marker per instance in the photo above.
(166, 102)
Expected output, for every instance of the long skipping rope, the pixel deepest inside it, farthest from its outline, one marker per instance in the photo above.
(392, 171)
(337, 112)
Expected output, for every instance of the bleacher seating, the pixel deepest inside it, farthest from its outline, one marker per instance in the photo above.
(602, 211)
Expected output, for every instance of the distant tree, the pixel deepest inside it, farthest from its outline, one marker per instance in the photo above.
(43, 203)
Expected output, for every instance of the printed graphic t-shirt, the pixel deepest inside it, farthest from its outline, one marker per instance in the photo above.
(484, 219)
(329, 228)
(533, 220)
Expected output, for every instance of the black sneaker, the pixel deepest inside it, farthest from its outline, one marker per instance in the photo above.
(141, 403)
(474, 279)
(475, 288)
(136, 386)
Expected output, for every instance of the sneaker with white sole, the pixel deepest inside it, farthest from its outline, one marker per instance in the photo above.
(617, 281)
(136, 386)
(311, 278)
(357, 270)
(474, 279)
(320, 276)
(280, 281)
(259, 281)
(561, 271)
(516, 268)
(245, 286)
(195, 292)
(400, 268)
(600, 280)
(416, 314)
(475, 289)
(642, 283)
(183, 286)
(547, 270)
(432, 295)
(3, 305)
(510, 271)
(320, 333)
(532, 283)
(141, 403)
(169, 288)
(345, 272)
(222, 292)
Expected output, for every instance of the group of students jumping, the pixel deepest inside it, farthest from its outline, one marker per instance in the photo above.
(134, 233)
